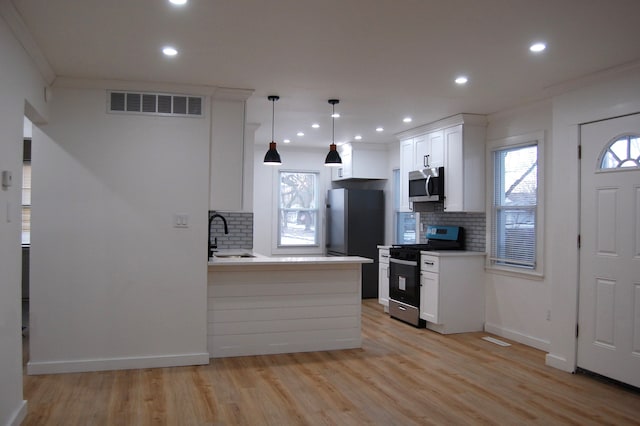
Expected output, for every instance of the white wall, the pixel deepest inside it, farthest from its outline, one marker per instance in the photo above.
(113, 283)
(20, 82)
(265, 196)
(614, 96)
(515, 306)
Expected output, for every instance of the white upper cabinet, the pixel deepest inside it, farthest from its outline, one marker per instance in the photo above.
(231, 153)
(360, 161)
(455, 143)
(429, 150)
(464, 169)
(407, 163)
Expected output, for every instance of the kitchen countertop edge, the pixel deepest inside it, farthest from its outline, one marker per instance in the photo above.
(453, 253)
(288, 260)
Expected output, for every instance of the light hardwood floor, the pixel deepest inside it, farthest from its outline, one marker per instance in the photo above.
(401, 376)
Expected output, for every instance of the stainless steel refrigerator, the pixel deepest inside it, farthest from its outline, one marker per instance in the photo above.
(355, 227)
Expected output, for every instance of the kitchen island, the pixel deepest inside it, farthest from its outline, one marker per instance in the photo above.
(266, 305)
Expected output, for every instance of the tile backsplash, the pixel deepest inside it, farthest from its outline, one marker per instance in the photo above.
(474, 225)
(240, 234)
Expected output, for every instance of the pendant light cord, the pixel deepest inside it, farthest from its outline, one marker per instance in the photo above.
(333, 124)
(273, 113)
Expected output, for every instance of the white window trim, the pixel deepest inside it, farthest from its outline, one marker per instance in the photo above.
(513, 142)
(298, 250)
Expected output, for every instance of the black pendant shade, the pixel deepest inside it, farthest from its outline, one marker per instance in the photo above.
(272, 157)
(333, 158)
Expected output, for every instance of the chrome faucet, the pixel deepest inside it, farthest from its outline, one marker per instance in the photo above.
(214, 246)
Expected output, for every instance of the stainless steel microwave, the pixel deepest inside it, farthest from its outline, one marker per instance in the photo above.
(426, 185)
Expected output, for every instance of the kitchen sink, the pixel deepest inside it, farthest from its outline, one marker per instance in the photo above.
(233, 255)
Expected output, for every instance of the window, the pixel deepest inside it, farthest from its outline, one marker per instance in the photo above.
(405, 221)
(298, 209)
(622, 152)
(514, 218)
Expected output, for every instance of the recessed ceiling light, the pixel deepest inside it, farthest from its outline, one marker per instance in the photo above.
(461, 80)
(379, 129)
(335, 115)
(407, 120)
(286, 141)
(315, 125)
(300, 134)
(358, 137)
(178, 2)
(169, 51)
(537, 47)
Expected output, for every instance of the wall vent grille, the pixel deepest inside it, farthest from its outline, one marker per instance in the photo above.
(154, 104)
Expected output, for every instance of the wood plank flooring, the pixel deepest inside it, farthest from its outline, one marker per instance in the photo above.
(401, 376)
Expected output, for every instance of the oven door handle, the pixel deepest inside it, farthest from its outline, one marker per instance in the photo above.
(403, 262)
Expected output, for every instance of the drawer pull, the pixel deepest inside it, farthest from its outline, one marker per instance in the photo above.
(429, 263)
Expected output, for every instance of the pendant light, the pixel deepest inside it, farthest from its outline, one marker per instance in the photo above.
(272, 157)
(333, 158)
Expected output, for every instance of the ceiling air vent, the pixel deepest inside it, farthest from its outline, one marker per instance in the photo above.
(155, 104)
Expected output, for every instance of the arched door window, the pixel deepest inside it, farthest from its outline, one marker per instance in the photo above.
(622, 152)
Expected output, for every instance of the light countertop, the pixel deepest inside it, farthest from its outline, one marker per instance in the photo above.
(453, 253)
(259, 259)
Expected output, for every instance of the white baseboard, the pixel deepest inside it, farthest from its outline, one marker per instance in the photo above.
(559, 362)
(128, 363)
(525, 339)
(18, 415)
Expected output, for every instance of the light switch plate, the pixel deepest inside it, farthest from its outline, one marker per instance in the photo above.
(180, 220)
(7, 178)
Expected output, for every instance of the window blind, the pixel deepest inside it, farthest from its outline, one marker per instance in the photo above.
(515, 201)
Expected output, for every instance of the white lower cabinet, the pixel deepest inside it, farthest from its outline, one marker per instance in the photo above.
(383, 278)
(429, 296)
(452, 291)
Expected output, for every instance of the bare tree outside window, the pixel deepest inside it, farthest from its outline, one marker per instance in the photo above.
(515, 206)
(298, 209)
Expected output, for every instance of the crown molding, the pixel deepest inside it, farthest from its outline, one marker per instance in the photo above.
(231, 94)
(133, 85)
(26, 40)
(593, 78)
(454, 120)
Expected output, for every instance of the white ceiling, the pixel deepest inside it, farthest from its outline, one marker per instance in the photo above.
(384, 59)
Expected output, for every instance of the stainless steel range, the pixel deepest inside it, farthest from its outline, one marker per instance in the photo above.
(404, 271)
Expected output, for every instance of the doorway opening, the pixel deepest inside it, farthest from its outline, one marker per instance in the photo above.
(26, 222)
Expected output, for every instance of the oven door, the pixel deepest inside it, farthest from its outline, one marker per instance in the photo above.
(404, 281)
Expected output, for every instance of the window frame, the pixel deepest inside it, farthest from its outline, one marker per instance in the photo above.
(278, 209)
(513, 142)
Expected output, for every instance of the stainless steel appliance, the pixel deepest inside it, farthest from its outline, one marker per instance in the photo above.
(355, 227)
(426, 185)
(404, 271)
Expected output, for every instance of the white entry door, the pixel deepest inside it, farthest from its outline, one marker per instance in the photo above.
(609, 302)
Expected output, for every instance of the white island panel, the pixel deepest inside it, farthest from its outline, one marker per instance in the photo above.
(264, 307)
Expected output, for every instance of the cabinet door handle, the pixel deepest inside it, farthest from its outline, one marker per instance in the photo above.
(425, 161)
